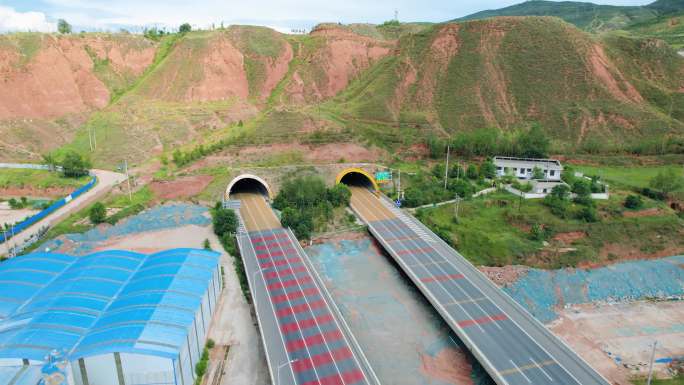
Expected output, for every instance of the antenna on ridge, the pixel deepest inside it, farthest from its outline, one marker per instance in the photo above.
(396, 14)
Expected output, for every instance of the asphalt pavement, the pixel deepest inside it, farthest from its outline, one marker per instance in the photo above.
(513, 347)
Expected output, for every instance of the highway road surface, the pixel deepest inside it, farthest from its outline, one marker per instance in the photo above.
(304, 335)
(514, 348)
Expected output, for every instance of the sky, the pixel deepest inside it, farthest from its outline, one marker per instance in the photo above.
(93, 15)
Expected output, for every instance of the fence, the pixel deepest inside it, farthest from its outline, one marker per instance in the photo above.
(9, 233)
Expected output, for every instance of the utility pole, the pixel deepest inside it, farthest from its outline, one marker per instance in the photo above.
(650, 368)
(90, 138)
(128, 181)
(446, 169)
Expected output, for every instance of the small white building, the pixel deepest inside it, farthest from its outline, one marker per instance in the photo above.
(523, 168)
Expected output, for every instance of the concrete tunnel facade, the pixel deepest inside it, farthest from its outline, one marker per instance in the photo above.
(249, 182)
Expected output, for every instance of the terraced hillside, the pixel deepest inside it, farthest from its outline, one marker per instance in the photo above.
(586, 15)
(127, 96)
(506, 71)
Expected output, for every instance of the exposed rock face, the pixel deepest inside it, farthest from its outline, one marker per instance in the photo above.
(57, 76)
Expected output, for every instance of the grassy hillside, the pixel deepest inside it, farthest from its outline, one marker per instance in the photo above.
(508, 71)
(587, 16)
(669, 28)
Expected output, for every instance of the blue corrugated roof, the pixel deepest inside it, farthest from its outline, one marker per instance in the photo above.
(110, 301)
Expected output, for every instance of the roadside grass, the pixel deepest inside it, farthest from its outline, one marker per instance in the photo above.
(38, 179)
(496, 230)
(678, 380)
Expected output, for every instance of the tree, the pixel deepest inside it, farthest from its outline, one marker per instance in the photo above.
(633, 202)
(471, 172)
(75, 165)
(588, 214)
(339, 195)
(185, 28)
(63, 27)
(533, 143)
(537, 173)
(98, 213)
(560, 191)
(667, 181)
(206, 245)
(225, 221)
(50, 160)
(488, 169)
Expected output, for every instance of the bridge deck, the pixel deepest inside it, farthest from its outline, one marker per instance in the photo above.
(304, 335)
(512, 346)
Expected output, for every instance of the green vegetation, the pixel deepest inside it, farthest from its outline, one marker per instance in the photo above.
(633, 202)
(37, 179)
(201, 365)
(306, 204)
(184, 28)
(677, 380)
(587, 16)
(669, 28)
(74, 165)
(501, 229)
(97, 213)
(225, 227)
(63, 27)
(668, 181)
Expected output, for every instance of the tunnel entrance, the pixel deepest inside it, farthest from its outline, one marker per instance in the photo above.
(248, 183)
(357, 177)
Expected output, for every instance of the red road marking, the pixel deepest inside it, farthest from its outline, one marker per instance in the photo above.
(281, 262)
(289, 283)
(410, 251)
(270, 245)
(286, 311)
(268, 238)
(322, 359)
(483, 320)
(441, 278)
(284, 272)
(315, 339)
(294, 295)
(350, 377)
(307, 323)
(276, 253)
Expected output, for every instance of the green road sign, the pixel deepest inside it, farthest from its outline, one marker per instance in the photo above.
(383, 176)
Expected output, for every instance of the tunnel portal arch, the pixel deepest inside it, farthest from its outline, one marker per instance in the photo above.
(249, 182)
(351, 175)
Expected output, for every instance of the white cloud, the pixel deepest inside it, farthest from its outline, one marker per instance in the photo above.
(11, 20)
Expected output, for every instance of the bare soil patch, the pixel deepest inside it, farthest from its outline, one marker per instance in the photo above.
(503, 276)
(570, 237)
(183, 187)
(652, 212)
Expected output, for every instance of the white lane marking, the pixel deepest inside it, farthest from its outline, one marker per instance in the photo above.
(542, 369)
(464, 336)
(289, 304)
(441, 284)
(514, 322)
(520, 371)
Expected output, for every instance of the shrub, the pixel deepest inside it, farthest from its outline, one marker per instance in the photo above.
(537, 173)
(633, 202)
(98, 213)
(210, 343)
(488, 170)
(558, 206)
(560, 191)
(207, 244)
(225, 221)
(667, 181)
(185, 28)
(653, 194)
(588, 214)
(534, 143)
(472, 173)
(74, 165)
(339, 195)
